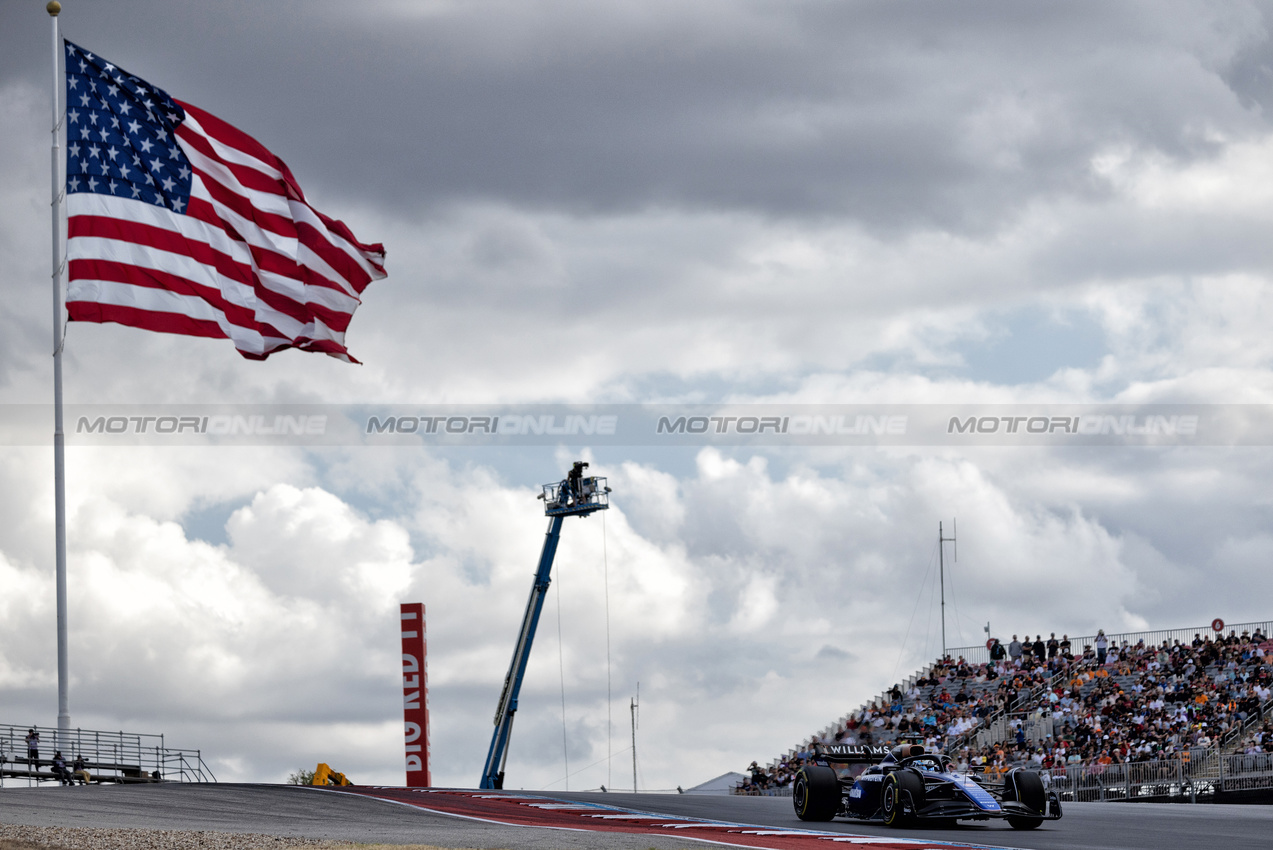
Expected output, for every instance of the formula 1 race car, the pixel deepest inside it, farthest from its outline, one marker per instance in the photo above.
(907, 784)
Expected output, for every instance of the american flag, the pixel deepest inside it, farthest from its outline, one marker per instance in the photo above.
(178, 222)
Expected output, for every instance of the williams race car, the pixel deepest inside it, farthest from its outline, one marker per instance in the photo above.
(907, 784)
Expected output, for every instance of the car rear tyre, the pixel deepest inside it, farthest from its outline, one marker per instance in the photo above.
(902, 790)
(816, 793)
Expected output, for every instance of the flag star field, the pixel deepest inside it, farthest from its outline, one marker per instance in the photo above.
(121, 135)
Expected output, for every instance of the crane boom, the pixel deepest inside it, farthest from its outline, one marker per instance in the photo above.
(575, 496)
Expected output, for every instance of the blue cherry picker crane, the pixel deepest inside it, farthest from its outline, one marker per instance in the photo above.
(577, 495)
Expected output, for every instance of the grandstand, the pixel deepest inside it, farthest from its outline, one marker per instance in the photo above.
(1161, 713)
(110, 757)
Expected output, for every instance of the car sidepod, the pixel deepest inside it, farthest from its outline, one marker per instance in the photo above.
(863, 798)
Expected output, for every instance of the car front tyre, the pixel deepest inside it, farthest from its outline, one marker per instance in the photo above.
(900, 788)
(1027, 790)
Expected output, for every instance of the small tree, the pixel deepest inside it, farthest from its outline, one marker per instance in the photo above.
(301, 777)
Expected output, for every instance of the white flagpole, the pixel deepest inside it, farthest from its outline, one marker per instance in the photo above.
(59, 446)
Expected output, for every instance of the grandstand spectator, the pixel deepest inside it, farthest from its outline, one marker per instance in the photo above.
(1014, 651)
(997, 652)
(1102, 646)
(60, 770)
(80, 770)
(1038, 647)
(33, 748)
(1054, 646)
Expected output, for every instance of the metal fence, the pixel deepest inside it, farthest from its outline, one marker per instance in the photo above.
(1195, 774)
(980, 654)
(114, 756)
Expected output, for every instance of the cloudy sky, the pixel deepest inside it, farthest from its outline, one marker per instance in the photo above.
(859, 203)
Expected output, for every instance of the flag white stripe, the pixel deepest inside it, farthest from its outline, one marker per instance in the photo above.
(139, 212)
(149, 299)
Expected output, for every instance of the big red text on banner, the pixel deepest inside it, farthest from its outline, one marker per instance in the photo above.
(415, 695)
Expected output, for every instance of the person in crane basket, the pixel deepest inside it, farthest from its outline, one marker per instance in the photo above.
(574, 482)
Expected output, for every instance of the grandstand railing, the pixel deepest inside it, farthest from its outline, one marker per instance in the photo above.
(980, 653)
(1240, 731)
(112, 756)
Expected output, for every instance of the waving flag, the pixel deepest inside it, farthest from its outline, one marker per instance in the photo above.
(180, 223)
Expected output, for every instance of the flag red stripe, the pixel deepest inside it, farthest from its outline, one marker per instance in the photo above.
(342, 263)
(235, 314)
(157, 237)
(251, 178)
(173, 323)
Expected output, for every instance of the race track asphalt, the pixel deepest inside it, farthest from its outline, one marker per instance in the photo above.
(314, 813)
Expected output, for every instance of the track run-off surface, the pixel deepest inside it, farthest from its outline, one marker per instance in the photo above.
(531, 821)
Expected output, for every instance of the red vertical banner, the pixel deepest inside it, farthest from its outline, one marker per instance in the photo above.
(415, 695)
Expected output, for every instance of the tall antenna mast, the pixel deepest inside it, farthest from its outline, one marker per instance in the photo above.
(942, 540)
(636, 703)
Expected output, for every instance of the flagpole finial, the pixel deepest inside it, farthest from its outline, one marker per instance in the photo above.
(53, 8)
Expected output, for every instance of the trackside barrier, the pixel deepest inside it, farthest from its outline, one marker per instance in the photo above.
(111, 756)
(784, 791)
(1198, 774)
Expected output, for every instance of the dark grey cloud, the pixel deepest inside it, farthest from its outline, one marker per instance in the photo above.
(943, 115)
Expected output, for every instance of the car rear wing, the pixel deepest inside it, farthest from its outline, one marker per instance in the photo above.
(850, 753)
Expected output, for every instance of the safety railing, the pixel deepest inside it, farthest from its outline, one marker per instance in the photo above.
(111, 756)
(981, 653)
(1195, 774)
